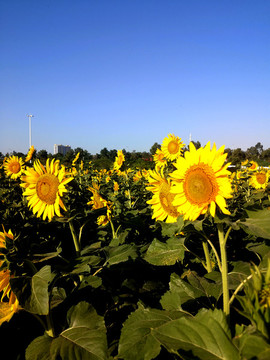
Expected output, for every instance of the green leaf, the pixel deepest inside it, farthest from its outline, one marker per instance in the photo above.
(39, 299)
(137, 341)
(168, 253)
(253, 346)
(84, 339)
(39, 348)
(206, 335)
(182, 291)
(121, 253)
(91, 280)
(257, 223)
(171, 229)
(79, 343)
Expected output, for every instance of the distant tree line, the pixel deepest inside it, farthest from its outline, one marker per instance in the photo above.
(105, 158)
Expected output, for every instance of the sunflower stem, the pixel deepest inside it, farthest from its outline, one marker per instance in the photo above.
(224, 267)
(207, 257)
(114, 236)
(50, 329)
(75, 239)
(128, 191)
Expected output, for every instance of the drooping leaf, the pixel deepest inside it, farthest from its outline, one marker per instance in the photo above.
(84, 339)
(39, 299)
(137, 341)
(121, 253)
(205, 335)
(257, 223)
(168, 253)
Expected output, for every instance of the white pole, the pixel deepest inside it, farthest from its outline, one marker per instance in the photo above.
(30, 134)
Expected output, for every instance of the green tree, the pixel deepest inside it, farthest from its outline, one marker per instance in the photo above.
(104, 153)
(154, 148)
(237, 156)
(42, 155)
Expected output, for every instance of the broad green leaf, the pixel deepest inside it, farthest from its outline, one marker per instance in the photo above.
(171, 229)
(79, 343)
(84, 314)
(121, 253)
(204, 335)
(91, 280)
(253, 346)
(39, 348)
(257, 223)
(39, 299)
(137, 341)
(84, 339)
(182, 291)
(168, 253)
(210, 288)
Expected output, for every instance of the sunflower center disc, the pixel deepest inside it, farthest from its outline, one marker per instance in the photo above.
(15, 167)
(173, 147)
(161, 157)
(199, 186)
(261, 178)
(47, 187)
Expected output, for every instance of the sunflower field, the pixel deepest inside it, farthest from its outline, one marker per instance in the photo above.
(135, 264)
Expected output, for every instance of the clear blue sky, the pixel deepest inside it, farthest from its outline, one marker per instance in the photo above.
(126, 73)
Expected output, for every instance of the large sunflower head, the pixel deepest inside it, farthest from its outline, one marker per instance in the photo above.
(120, 158)
(14, 167)
(162, 199)
(172, 147)
(259, 179)
(44, 187)
(200, 181)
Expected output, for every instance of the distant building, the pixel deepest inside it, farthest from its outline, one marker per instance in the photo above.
(61, 149)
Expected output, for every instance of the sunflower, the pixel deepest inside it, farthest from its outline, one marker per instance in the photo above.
(115, 186)
(14, 167)
(103, 220)
(200, 181)
(97, 200)
(172, 147)
(160, 158)
(120, 158)
(259, 179)
(44, 187)
(75, 159)
(9, 303)
(137, 176)
(253, 165)
(155, 179)
(30, 153)
(162, 200)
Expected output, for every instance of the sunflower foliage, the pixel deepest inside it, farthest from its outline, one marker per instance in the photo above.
(128, 263)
